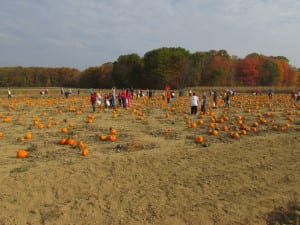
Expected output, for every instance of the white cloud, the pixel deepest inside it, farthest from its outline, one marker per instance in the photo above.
(93, 32)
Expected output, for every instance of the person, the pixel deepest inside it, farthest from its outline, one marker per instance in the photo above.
(99, 99)
(298, 96)
(62, 92)
(227, 99)
(94, 100)
(204, 102)
(150, 94)
(124, 98)
(215, 96)
(9, 94)
(270, 93)
(78, 92)
(128, 97)
(113, 97)
(194, 101)
(180, 92)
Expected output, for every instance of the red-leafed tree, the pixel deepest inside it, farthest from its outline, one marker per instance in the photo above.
(247, 71)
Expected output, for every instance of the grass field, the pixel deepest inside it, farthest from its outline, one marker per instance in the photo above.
(162, 166)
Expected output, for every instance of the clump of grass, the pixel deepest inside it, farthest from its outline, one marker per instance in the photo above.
(20, 169)
(289, 215)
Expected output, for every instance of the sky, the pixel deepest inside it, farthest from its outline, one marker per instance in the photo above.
(87, 33)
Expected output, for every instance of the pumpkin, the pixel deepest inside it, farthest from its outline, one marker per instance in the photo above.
(215, 132)
(22, 153)
(63, 141)
(103, 137)
(200, 122)
(28, 136)
(84, 152)
(113, 131)
(225, 128)
(1, 134)
(234, 135)
(112, 138)
(193, 124)
(64, 130)
(199, 139)
(81, 144)
(243, 132)
(71, 142)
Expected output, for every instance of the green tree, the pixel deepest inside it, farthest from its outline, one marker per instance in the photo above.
(127, 70)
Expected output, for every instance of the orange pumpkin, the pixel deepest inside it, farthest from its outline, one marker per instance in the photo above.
(103, 137)
(64, 130)
(28, 136)
(199, 139)
(113, 131)
(63, 141)
(71, 142)
(22, 153)
(81, 144)
(225, 128)
(215, 132)
(234, 135)
(1, 134)
(193, 124)
(112, 138)
(243, 132)
(84, 152)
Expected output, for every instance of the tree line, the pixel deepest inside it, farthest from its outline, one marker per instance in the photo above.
(174, 66)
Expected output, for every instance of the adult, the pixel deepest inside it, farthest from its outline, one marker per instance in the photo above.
(194, 101)
(128, 97)
(124, 98)
(270, 93)
(227, 99)
(94, 100)
(203, 103)
(113, 97)
(9, 94)
(215, 97)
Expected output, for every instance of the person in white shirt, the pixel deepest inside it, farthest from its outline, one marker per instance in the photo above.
(194, 102)
(9, 95)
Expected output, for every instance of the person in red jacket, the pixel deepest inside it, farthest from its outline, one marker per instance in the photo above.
(94, 100)
(124, 98)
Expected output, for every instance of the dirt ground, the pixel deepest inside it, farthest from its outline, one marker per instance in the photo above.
(154, 173)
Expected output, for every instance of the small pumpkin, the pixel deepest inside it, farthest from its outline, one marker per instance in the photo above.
(84, 152)
(63, 141)
(81, 144)
(112, 138)
(113, 131)
(215, 132)
(22, 153)
(103, 137)
(71, 142)
(193, 124)
(28, 136)
(64, 130)
(199, 139)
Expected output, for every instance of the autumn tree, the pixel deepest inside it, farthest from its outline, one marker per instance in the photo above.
(247, 71)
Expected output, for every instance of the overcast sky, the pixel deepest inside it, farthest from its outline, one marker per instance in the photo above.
(85, 33)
